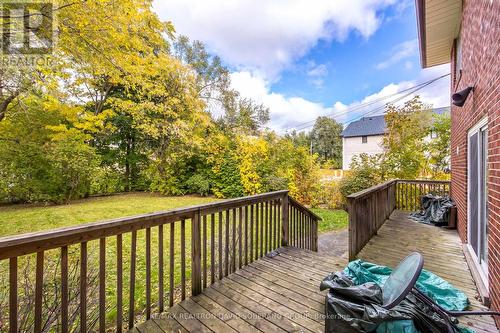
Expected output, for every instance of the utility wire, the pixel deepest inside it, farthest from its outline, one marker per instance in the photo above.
(360, 106)
(395, 100)
(410, 91)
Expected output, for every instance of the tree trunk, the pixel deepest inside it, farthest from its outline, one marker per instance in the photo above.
(5, 104)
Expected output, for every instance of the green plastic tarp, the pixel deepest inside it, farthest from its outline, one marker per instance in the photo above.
(441, 291)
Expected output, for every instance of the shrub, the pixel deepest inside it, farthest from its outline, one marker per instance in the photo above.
(198, 183)
(331, 196)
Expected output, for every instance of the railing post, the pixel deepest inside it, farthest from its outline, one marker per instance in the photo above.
(351, 210)
(284, 220)
(196, 254)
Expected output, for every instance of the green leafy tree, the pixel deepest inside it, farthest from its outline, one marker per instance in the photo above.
(366, 171)
(326, 140)
(302, 139)
(404, 144)
(45, 153)
(213, 86)
(439, 146)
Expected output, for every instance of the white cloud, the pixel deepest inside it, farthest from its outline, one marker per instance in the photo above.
(399, 52)
(268, 36)
(288, 112)
(317, 74)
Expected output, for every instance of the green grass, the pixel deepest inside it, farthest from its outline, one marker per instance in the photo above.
(18, 219)
(332, 219)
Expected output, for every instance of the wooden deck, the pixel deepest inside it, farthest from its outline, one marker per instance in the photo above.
(442, 253)
(272, 294)
(281, 293)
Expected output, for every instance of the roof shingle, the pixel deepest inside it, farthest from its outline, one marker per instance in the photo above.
(375, 125)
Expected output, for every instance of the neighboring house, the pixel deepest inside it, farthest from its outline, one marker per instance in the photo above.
(362, 136)
(467, 34)
(366, 135)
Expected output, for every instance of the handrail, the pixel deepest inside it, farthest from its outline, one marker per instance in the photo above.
(370, 208)
(410, 192)
(305, 209)
(211, 240)
(423, 181)
(371, 190)
(17, 245)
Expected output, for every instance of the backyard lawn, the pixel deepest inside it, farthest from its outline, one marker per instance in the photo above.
(332, 219)
(17, 219)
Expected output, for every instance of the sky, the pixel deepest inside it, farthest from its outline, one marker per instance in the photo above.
(310, 58)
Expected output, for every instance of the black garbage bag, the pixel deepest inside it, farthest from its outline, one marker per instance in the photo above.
(435, 210)
(351, 308)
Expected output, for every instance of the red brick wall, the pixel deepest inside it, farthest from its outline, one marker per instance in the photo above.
(480, 40)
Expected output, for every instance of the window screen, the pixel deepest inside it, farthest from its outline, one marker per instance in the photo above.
(364, 139)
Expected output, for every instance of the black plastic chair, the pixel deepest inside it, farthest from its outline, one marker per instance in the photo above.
(402, 281)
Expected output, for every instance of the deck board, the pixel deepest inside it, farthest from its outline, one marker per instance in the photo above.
(280, 294)
(442, 253)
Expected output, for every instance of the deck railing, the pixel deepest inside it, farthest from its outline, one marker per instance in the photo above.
(370, 208)
(409, 192)
(119, 272)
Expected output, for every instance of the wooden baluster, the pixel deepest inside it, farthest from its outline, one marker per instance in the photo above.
(246, 234)
(240, 240)
(396, 195)
(302, 231)
(204, 251)
(266, 241)
(148, 273)
(196, 271)
(83, 287)
(401, 195)
(233, 262)
(281, 231)
(102, 285)
(251, 232)
(420, 195)
(271, 227)
(414, 199)
(38, 291)
(283, 221)
(262, 223)
(64, 289)
(406, 196)
(275, 204)
(257, 228)
(183, 259)
(315, 248)
(297, 227)
(119, 283)
(131, 299)
(306, 233)
(220, 245)
(13, 295)
(311, 233)
(305, 217)
(212, 248)
(226, 253)
(172, 267)
(161, 294)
